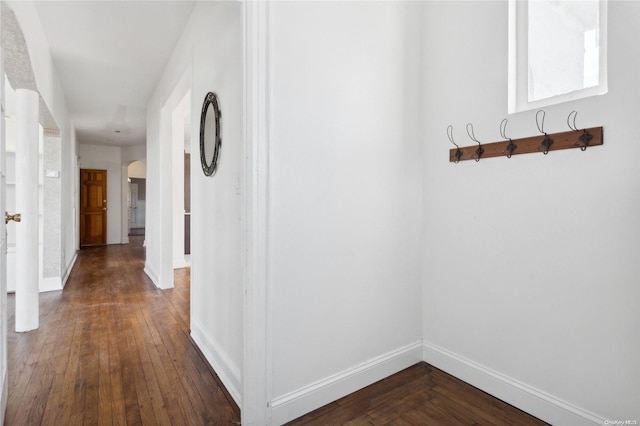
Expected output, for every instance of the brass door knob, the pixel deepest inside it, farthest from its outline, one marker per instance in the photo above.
(15, 217)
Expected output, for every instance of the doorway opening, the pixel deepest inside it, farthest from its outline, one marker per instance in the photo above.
(181, 150)
(136, 197)
(49, 199)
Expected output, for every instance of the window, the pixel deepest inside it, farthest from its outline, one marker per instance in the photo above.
(557, 51)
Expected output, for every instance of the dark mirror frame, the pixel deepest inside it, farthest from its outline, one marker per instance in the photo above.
(210, 169)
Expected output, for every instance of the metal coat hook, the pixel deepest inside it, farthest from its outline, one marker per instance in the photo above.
(547, 141)
(472, 135)
(503, 132)
(506, 146)
(585, 137)
(458, 153)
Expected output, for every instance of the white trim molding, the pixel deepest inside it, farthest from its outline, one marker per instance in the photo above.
(69, 269)
(308, 398)
(58, 283)
(50, 284)
(257, 366)
(527, 398)
(152, 276)
(227, 371)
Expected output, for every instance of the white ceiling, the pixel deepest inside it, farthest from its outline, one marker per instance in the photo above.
(109, 56)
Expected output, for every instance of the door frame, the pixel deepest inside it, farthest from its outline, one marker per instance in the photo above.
(4, 372)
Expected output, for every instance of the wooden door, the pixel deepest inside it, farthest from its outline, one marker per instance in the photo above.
(93, 207)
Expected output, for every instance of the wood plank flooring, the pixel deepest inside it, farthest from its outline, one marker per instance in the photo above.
(419, 395)
(113, 350)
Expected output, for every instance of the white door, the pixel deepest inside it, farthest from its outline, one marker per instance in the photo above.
(133, 205)
(3, 255)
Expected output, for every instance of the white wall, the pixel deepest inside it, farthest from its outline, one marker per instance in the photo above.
(177, 155)
(207, 58)
(531, 265)
(107, 158)
(69, 173)
(52, 246)
(133, 153)
(153, 231)
(344, 186)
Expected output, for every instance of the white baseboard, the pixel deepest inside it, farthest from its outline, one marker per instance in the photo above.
(512, 391)
(50, 284)
(226, 370)
(11, 269)
(152, 276)
(299, 402)
(4, 396)
(46, 284)
(69, 269)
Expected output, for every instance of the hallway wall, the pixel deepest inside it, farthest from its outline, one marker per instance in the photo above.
(531, 265)
(70, 175)
(208, 57)
(344, 198)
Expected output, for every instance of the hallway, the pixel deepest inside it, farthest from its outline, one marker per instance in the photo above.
(112, 349)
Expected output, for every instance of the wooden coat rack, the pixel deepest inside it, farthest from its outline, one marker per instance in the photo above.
(538, 144)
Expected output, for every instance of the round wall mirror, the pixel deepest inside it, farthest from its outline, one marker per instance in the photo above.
(210, 140)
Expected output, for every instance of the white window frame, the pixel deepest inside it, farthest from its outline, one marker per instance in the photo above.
(518, 62)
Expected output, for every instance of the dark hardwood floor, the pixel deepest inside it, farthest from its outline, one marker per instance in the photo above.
(113, 350)
(419, 395)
